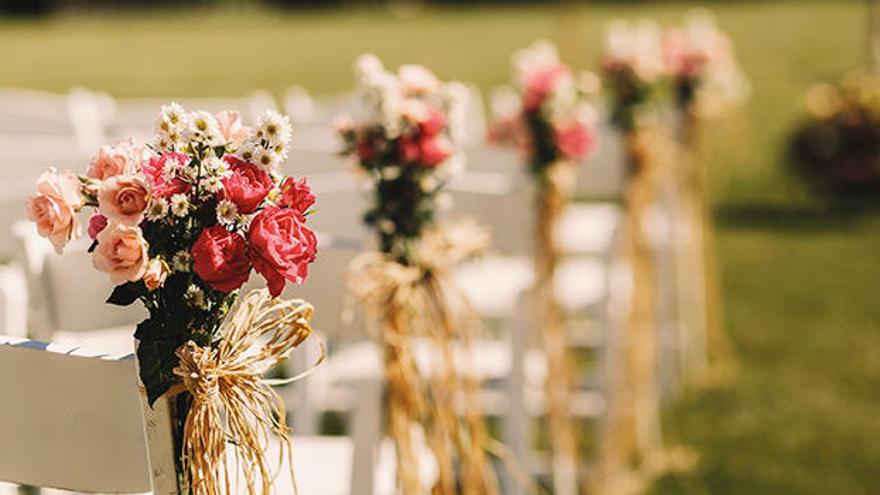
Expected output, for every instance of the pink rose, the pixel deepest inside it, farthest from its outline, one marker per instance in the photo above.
(281, 247)
(97, 223)
(433, 151)
(296, 194)
(160, 185)
(121, 252)
(123, 199)
(574, 139)
(247, 185)
(408, 149)
(417, 79)
(54, 207)
(155, 274)
(231, 128)
(540, 84)
(220, 259)
(121, 158)
(433, 123)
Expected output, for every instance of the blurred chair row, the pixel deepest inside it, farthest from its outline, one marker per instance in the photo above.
(64, 295)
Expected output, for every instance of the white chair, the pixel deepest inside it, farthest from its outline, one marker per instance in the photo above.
(74, 421)
(67, 297)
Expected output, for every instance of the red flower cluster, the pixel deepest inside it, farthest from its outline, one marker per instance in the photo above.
(278, 244)
(424, 143)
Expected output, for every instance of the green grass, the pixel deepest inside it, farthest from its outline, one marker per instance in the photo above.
(802, 416)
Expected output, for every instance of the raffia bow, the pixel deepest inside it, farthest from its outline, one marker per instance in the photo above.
(418, 299)
(232, 402)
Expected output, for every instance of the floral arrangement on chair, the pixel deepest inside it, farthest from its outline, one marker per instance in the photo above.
(700, 62)
(548, 115)
(179, 224)
(404, 141)
(632, 68)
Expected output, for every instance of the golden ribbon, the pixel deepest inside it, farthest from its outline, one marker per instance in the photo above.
(232, 402)
(416, 299)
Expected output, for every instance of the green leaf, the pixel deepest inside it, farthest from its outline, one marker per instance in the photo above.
(157, 361)
(127, 293)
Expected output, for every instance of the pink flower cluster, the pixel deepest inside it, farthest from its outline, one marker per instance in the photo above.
(205, 197)
(404, 117)
(549, 116)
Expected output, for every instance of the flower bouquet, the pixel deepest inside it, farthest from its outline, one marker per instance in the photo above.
(632, 67)
(700, 62)
(179, 224)
(404, 142)
(550, 117)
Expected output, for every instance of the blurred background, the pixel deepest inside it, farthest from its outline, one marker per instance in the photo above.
(800, 270)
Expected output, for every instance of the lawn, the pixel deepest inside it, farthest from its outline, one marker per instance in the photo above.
(802, 414)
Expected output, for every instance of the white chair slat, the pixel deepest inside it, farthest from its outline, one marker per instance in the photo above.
(69, 421)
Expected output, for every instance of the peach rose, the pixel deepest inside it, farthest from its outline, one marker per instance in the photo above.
(121, 158)
(155, 274)
(121, 252)
(124, 199)
(230, 126)
(54, 207)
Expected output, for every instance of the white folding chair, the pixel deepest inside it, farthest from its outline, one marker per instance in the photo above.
(67, 297)
(74, 421)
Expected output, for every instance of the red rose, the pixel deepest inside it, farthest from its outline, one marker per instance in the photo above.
(220, 258)
(247, 185)
(154, 169)
(575, 140)
(365, 151)
(540, 84)
(296, 194)
(433, 123)
(281, 247)
(433, 151)
(408, 149)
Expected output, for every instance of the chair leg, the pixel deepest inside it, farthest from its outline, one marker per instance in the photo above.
(516, 420)
(365, 425)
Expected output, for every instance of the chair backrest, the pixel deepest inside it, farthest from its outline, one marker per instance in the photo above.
(70, 421)
(65, 291)
(25, 111)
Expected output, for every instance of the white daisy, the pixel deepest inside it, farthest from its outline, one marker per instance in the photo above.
(179, 205)
(227, 213)
(274, 128)
(172, 119)
(157, 209)
(203, 128)
(247, 150)
(196, 297)
(210, 185)
(265, 158)
(181, 261)
(391, 172)
(172, 165)
(281, 151)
